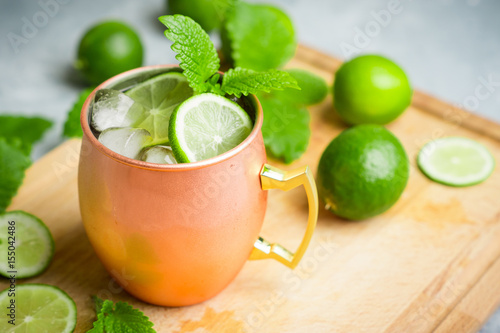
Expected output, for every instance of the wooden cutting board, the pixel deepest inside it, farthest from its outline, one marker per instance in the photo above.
(431, 263)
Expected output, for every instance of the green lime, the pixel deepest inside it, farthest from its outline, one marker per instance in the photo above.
(313, 88)
(108, 49)
(207, 13)
(39, 308)
(160, 96)
(362, 172)
(205, 126)
(370, 89)
(456, 161)
(26, 240)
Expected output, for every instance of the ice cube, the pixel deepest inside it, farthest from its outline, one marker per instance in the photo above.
(159, 154)
(126, 141)
(115, 109)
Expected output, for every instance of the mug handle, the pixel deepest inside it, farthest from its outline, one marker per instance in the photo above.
(274, 178)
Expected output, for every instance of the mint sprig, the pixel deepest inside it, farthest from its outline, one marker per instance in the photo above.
(119, 318)
(195, 51)
(246, 81)
(200, 62)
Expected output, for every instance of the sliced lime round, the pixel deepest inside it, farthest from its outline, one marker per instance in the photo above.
(26, 245)
(205, 126)
(456, 161)
(39, 308)
(160, 96)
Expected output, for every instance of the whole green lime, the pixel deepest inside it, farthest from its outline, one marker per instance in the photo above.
(207, 13)
(107, 49)
(362, 172)
(370, 89)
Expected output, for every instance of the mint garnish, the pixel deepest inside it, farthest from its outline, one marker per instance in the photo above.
(119, 318)
(200, 62)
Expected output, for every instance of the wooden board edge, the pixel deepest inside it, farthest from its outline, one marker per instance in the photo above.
(477, 305)
(447, 112)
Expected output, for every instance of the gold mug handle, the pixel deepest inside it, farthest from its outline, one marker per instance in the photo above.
(274, 178)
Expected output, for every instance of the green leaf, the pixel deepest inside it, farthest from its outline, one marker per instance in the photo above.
(246, 81)
(13, 163)
(258, 36)
(195, 51)
(72, 127)
(119, 318)
(98, 302)
(313, 88)
(22, 132)
(285, 129)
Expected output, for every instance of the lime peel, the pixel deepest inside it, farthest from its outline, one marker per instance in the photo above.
(456, 161)
(205, 126)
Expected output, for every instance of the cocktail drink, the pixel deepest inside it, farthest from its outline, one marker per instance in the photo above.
(173, 183)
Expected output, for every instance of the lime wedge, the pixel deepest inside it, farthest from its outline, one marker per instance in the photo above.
(205, 126)
(160, 96)
(456, 161)
(27, 241)
(38, 308)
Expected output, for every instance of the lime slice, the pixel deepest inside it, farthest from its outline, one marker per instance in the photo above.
(29, 239)
(160, 96)
(38, 308)
(205, 126)
(456, 161)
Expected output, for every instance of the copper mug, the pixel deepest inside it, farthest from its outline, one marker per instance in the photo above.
(177, 235)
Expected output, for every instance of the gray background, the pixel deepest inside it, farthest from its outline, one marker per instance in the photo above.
(447, 47)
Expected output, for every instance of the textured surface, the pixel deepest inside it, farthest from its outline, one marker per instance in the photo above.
(432, 262)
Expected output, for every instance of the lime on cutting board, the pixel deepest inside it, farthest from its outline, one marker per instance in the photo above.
(39, 308)
(205, 126)
(456, 161)
(28, 241)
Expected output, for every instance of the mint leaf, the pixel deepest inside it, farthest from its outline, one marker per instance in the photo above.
(240, 81)
(72, 127)
(313, 88)
(119, 318)
(13, 163)
(22, 132)
(195, 51)
(258, 36)
(285, 129)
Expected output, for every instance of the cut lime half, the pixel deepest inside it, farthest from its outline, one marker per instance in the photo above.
(39, 308)
(26, 240)
(205, 126)
(456, 161)
(160, 96)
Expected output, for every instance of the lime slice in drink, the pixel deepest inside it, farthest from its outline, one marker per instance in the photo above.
(456, 161)
(160, 96)
(38, 308)
(26, 245)
(205, 126)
